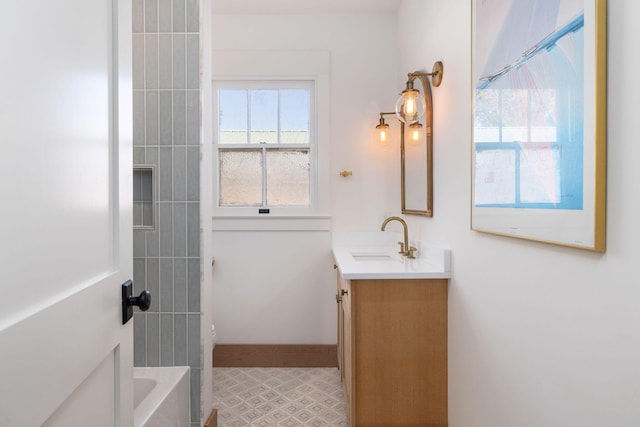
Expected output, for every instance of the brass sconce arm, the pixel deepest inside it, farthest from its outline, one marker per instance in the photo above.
(435, 74)
(382, 114)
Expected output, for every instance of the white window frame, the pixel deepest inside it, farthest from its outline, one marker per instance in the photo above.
(232, 65)
(311, 145)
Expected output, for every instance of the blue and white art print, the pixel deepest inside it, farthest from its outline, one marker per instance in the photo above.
(538, 132)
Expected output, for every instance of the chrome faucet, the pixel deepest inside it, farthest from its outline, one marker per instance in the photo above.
(405, 249)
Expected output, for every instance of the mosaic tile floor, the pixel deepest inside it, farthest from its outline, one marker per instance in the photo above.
(290, 397)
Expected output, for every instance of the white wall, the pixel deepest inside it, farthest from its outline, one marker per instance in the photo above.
(539, 335)
(278, 287)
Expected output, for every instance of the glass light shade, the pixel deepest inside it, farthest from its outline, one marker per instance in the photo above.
(415, 133)
(383, 133)
(410, 106)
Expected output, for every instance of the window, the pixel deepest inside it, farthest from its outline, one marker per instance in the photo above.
(265, 143)
(271, 140)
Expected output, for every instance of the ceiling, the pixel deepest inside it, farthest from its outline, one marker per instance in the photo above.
(302, 6)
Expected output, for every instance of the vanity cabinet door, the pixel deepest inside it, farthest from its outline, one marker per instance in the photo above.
(398, 349)
(348, 371)
(340, 347)
(345, 344)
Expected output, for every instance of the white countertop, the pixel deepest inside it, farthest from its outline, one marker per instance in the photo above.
(374, 255)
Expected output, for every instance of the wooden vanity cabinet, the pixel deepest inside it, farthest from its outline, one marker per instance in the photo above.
(345, 361)
(392, 351)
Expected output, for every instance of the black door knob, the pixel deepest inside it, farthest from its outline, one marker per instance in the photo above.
(143, 301)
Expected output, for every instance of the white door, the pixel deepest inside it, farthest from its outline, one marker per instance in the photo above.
(65, 212)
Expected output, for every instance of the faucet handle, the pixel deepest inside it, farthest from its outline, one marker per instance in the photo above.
(402, 251)
(411, 252)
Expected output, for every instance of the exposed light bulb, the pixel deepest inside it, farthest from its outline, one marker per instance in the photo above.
(415, 132)
(383, 129)
(382, 135)
(410, 106)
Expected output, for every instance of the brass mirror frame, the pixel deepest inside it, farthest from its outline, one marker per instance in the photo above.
(436, 76)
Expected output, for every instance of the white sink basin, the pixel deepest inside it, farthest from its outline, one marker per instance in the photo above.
(371, 256)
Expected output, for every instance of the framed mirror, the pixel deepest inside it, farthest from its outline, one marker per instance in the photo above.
(416, 161)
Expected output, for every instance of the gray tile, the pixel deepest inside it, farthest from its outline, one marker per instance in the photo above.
(153, 280)
(139, 153)
(137, 186)
(147, 185)
(193, 174)
(193, 61)
(166, 107)
(151, 16)
(166, 285)
(164, 16)
(195, 393)
(164, 61)
(148, 214)
(151, 157)
(193, 339)
(180, 174)
(179, 61)
(179, 117)
(153, 339)
(193, 16)
(193, 117)
(180, 339)
(138, 16)
(138, 118)
(180, 285)
(139, 275)
(151, 122)
(180, 230)
(139, 244)
(193, 229)
(139, 339)
(151, 61)
(153, 243)
(166, 340)
(138, 61)
(193, 285)
(179, 16)
(165, 175)
(138, 215)
(165, 228)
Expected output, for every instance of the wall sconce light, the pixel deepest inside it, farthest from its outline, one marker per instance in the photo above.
(412, 106)
(383, 129)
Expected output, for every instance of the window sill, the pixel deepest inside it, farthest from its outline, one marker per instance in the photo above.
(271, 223)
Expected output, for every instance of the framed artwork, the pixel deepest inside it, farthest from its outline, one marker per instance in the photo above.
(539, 120)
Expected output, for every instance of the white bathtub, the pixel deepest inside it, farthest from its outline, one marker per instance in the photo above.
(161, 397)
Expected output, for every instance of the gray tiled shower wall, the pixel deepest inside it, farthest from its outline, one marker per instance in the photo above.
(166, 108)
